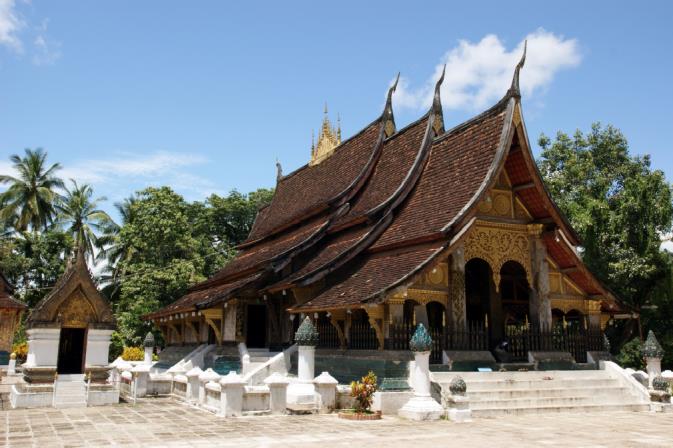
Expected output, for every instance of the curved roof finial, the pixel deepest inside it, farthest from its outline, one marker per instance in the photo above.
(388, 117)
(279, 170)
(438, 124)
(514, 88)
(437, 98)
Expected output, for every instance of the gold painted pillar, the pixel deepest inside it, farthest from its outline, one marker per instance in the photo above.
(9, 321)
(457, 306)
(540, 303)
(593, 309)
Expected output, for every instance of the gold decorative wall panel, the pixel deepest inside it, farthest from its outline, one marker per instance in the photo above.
(498, 243)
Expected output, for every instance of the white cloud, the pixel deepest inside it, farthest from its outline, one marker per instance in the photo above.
(10, 24)
(46, 51)
(119, 175)
(479, 73)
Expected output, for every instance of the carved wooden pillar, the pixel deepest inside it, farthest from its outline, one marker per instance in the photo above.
(540, 304)
(458, 313)
(338, 321)
(376, 317)
(593, 308)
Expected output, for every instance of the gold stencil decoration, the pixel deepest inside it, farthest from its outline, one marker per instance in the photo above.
(76, 311)
(497, 245)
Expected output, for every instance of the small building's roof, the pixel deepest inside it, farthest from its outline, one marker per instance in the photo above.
(6, 299)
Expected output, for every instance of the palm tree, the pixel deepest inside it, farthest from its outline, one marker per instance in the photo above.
(78, 212)
(114, 250)
(29, 200)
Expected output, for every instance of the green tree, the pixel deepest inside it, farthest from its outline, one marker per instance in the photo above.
(29, 200)
(79, 214)
(116, 253)
(164, 259)
(617, 203)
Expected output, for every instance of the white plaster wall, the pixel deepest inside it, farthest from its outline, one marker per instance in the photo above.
(256, 398)
(97, 347)
(43, 347)
(20, 400)
(103, 397)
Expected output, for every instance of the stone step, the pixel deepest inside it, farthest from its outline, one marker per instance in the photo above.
(485, 386)
(62, 405)
(608, 407)
(552, 392)
(549, 401)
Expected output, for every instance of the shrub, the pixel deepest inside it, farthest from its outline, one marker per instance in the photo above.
(133, 354)
(21, 351)
(116, 346)
(363, 392)
(631, 355)
(660, 383)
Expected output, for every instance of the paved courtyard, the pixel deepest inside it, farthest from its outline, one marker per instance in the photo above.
(159, 423)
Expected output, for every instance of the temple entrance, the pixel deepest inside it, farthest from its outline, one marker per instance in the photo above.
(256, 326)
(515, 294)
(71, 350)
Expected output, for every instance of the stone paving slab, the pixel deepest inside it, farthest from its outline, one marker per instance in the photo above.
(165, 423)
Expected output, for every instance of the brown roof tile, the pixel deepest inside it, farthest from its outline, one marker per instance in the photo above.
(311, 186)
(457, 167)
(370, 276)
(9, 302)
(190, 301)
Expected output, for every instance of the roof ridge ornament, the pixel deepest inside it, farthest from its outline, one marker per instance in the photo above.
(329, 138)
(438, 124)
(514, 89)
(388, 117)
(279, 170)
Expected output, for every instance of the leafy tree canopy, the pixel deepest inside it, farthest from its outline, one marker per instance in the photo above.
(617, 203)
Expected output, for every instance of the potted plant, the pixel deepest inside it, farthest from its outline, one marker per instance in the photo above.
(363, 393)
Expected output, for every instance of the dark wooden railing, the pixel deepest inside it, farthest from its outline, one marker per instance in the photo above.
(362, 336)
(399, 335)
(473, 336)
(329, 337)
(574, 340)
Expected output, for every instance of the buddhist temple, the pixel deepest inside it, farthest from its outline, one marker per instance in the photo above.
(452, 227)
(11, 310)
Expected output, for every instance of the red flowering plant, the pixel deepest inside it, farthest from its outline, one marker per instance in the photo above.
(363, 392)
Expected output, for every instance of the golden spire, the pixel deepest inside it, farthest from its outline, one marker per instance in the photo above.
(328, 139)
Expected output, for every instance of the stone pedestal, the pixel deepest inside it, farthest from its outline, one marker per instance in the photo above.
(277, 384)
(148, 343)
(204, 378)
(306, 364)
(325, 388)
(653, 367)
(422, 406)
(193, 384)
(141, 375)
(459, 409)
(231, 395)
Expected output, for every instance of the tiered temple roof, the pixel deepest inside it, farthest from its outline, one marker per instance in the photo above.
(6, 299)
(385, 205)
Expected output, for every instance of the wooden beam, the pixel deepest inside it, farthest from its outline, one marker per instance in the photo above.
(570, 270)
(526, 186)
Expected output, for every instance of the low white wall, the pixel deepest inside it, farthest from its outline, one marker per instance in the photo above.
(24, 399)
(637, 390)
(256, 398)
(103, 396)
(391, 402)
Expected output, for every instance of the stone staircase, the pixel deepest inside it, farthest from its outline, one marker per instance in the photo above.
(494, 394)
(70, 391)
(258, 357)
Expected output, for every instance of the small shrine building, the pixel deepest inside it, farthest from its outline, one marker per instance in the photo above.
(449, 226)
(11, 311)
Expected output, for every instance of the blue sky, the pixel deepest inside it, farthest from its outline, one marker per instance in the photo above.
(204, 96)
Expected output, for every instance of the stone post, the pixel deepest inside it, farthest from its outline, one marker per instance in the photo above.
(148, 343)
(456, 401)
(325, 386)
(11, 368)
(205, 378)
(421, 406)
(301, 395)
(193, 384)
(307, 338)
(231, 396)
(141, 373)
(540, 304)
(278, 392)
(652, 352)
